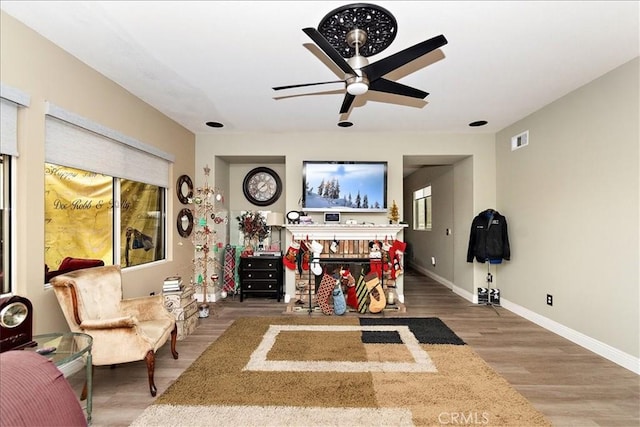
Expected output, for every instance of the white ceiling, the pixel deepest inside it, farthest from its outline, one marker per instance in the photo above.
(218, 61)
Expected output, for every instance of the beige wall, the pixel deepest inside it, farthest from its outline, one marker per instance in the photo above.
(463, 211)
(572, 204)
(46, 73)
(434, 243)
(237, 172)
(572, 201)
(295, 148)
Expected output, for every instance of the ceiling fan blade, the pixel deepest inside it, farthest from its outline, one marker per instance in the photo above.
(307, 84)
(329, 50)
(397, 60)
(346, 104)
(388, 86)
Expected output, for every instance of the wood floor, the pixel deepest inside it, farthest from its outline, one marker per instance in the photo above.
(570, 385)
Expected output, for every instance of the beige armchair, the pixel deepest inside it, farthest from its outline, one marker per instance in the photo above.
(123, 330)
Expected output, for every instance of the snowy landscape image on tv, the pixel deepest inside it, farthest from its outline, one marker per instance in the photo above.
(344, 186)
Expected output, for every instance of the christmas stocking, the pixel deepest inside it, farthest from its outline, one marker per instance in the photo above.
(316, 249)
(327, 284)
(349, 287)
(386, 262)
(396, 253)
(289, 260)
(339, 303)
(386, 255)
(362, 294)
(229, 269)
(303, 257)
(377, 300)
(352, 299)
(375, 258)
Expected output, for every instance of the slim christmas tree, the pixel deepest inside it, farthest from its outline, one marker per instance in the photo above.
(394, 214)
(205, 262)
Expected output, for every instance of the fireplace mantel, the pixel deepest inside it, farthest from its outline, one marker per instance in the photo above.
(344, 232)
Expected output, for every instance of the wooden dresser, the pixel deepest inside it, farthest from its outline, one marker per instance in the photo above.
(184, 307)
(261, 274)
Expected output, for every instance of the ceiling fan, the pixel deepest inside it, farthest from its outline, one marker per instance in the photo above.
(351, 33)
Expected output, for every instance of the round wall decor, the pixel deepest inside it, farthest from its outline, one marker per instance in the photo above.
(184, 187)
(185, 222)
(262, 186)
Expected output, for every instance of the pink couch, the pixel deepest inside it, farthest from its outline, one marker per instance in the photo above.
(35, 393)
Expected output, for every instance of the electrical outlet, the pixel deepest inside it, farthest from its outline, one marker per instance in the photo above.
(549, 299)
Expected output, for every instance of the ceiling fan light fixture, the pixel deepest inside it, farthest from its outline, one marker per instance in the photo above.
(357, 85)
(357, 88)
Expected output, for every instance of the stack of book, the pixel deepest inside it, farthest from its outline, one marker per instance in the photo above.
(172, 284)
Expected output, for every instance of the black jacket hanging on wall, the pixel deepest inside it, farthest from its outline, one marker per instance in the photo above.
(489, 240)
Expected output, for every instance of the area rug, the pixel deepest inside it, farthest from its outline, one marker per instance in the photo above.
(339, 371)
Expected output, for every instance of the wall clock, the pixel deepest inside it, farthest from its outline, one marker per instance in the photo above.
(16, 323)
(184, 187)
(262, 186)
(185, 222)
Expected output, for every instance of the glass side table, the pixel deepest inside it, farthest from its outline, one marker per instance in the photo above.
(73, 352)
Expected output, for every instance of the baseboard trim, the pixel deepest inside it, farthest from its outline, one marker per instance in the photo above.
(456, 289)
(613, 354)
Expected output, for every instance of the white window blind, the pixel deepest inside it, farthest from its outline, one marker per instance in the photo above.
(74, 141)
(10, 100)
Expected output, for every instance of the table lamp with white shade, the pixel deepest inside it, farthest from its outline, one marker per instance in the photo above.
(275, 219)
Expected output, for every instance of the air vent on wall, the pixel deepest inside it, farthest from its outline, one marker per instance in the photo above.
(520, 140)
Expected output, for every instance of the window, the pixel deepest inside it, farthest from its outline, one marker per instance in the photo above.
(5, 225)
(142, 225)
(422, 209)
(82, 209)
(11, 99)
(105, 193)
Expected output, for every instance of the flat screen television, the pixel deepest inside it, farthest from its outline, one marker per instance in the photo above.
(344, 186)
